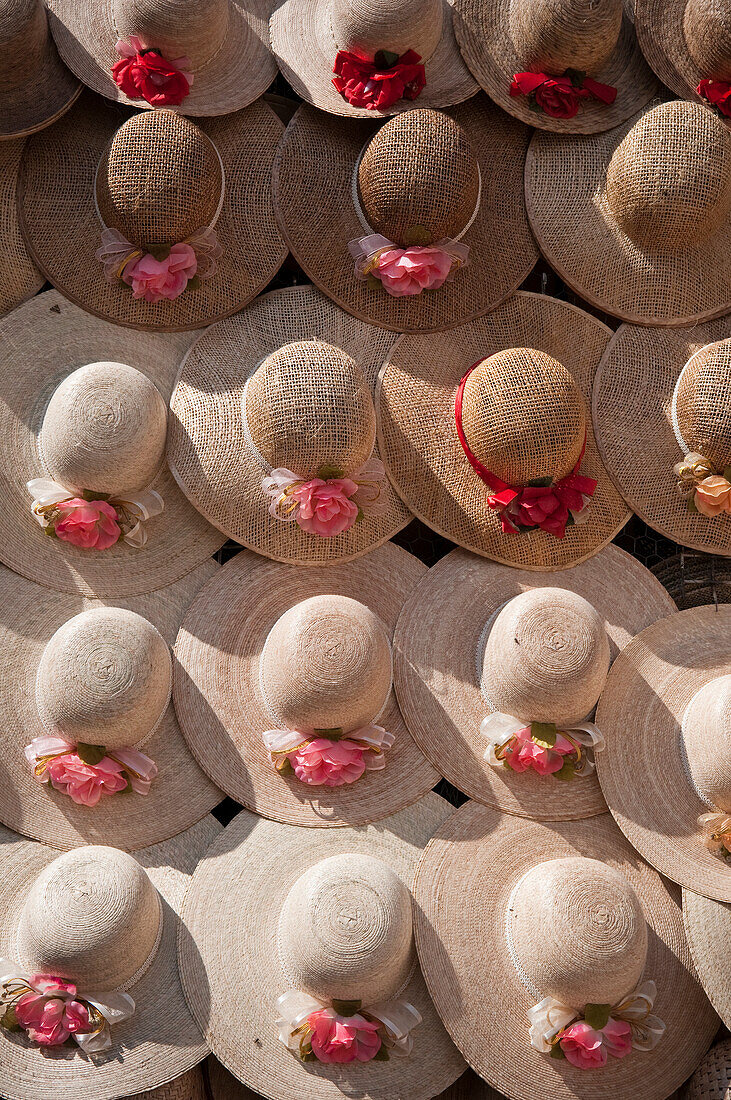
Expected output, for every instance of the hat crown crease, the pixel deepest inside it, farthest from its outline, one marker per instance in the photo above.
(551, 36)
(706, 742)
(701, 404)
(175, 28)
(364, 27)
(707, 32)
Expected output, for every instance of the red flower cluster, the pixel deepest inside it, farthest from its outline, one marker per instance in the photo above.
(144, 74)
(561, 96)
(718, 94)
(550, 507)
(376, 85)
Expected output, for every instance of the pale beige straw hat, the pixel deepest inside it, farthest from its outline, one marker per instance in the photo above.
(708, 928)
(99, 200)
(513, 915)
(286, 385)
(82, 404)
(108, 922)
(525, 415)
(20, 279)
(685, 42)
(476, 639)
(637, 220)
(666, 769)
(189, 1086)
(712, 1079)
(322, 917)
(35, 87)
(659, 395)
(450, 181)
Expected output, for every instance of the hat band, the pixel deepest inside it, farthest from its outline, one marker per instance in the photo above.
(561, 96)
(93, 521)
(704, 487)
(540, 746)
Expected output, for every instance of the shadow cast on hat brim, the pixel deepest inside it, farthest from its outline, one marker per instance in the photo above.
(42, 96)
(19, 277)
(659, 27)
(708, 928)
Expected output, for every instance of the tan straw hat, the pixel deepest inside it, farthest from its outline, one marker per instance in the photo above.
(484, 652)
(663, 425)
(429, 206)
(271, 416)
(325, 923)
(157, 223)
(687, 43)
(637, 220)
(271, 659)
(83, 409)
(189, 1086)
(708, 928)
(666, 770)
(35, 87)
(564, 42)
(523, 376)
(712, 1079)
(535, 937)
(19, 277)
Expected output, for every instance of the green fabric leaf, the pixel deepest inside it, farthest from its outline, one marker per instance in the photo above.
(544, 734)
(385, 59)
(576, 76)
(50, 531)
(329, 471)
(90, 754)
(346, 1008)
(89, 494)
(373, 283)
(194, 283)
(333, 734)
(382, 1055)
(540, 482)
(128, 788)
(690, 504)
(160, 252)
(417, 235)
(727, 473)
(557, 1051)
(597, 1015)
(567, 771)
(286, 768)
(9, 1020)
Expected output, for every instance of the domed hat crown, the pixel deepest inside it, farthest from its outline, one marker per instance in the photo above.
(701, 407)
(707, 32)
(365, 27)
(551, 36)
(175, 28)
(706, 742)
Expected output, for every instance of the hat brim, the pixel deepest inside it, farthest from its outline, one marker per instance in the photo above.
(641, 770)
(62, 231)
(659, 27)
(632, 402)
(161, 1040)
(43, 95)
(463, 886)
(189, 1086)
(318, 155)
(259, 861)
(20, 279)
(708, 928)
(437, 645)
(424, 458)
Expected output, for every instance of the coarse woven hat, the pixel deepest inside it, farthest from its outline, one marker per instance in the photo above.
(637, 220)
(475, 638)
(155, 182)
(659, 395)
(695, 579)
(267, 647)
(712, 1079)
(452, 178)
(525, 416)
(189, 1086)
(665, 715)
(708, 928)
(35, 87)
(108, 921)
(225, 43)
(510, 911)
(286, 384)
(685, 41)
(325, 913)
(82, 399)
(20, 279)
(499, 38)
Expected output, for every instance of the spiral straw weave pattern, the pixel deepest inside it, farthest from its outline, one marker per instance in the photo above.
(685, 41)
(367, 26)
(19, 278)
(190, 1086)
(35, 88)
(708, 927)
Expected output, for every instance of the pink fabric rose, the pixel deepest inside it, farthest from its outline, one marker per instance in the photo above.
(89, 524)
(343, 1038)
(50, 1020)
(326, 763)
(85, 783)
(617, 1037)
(583, 1046)
(524, 753)
(324, 506)
(154, 280)
(405, 271)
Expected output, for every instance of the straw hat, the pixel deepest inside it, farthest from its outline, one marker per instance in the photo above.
(708, 927)
(665, 715)
(109, 922)
(222, 46)
(524, 413)
(325, 916)
(659, 395)
(695, 579)
(35, 87)
(269, 649)
(379, 185)
(511, 912)
(286, 385)
(500, 39)
(685, 42)
(476, 638)
(712, 1079)
(19, 278)
(189, 1086)
(98, 200)
(638, 220)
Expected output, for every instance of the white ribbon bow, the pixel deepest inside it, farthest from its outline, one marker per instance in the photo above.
(398, 1017)
(550, 1016)
(140, 507)
(141, 770)
(370, 737)
(499, 728)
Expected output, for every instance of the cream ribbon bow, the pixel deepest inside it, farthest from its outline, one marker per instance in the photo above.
(550, 1016)
(398, 1017)
(499, 728)
(136, 510)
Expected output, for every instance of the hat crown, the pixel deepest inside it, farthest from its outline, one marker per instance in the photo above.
(159, 180)
(707, 30)
(703, 403)
(326, 664)
(669, 179)
(345, 931)
(419, 179)
(706, 735)
(24, 40)
(364, 27)
(175, 28)
(551, 36)
(578, 931)
(92, 916)
(104, 430)
(104, 679)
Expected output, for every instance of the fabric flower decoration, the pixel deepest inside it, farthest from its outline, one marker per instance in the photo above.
(706, 491)
(50, 1020)
(90, 524)
(143, 73)
(343, 1038)
(329, 504)
(587, 1048)
(168, 277)
(526, 752)
(407, 271)
(83, 783)
(718, 94)
(87, 772)
(561, 96)
(345, 1031)
(325, 507)
(326, 763)
(540, 746)
(376, 85)
(713, 496)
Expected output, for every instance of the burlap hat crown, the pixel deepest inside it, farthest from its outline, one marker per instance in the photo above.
(700, 409)
(175, 28)
(364, 27)
(706, 744)
(552, 37)
(707, 33)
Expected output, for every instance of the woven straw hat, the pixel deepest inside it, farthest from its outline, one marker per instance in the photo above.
(189, 1086)
(109, 922)
(665, 715)
(35, 87)
(304, 370)
(712, 1079)
(19, 278)
(695, 579)
(326, 913)
(685, 41)
(158, 180)
(638, 220)
(708, 928)
(510, 911)
(423, 172)
(660, 394)
(476, 637)
(266, 646)
(524, 414)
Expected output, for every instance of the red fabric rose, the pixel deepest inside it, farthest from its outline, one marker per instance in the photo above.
(718, 94)
(374, 87)
(561, 96)
(144, 74)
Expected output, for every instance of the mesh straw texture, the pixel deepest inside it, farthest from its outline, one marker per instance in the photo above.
(19, 278)
(189, 1086)
(708, 926)
(695, 579)
(702, 409)
(712, 1079)
(685, 41)
(35, 87)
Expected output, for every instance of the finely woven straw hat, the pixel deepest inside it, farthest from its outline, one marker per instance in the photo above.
(158, 180)
(225, 41)
(476, 637)
(524, 413)
(70, 410)
(267, 645)
(109, 922)
(427, 172)
(708, 927)
(499, 38)
(509, 911)
(302, 370)
(321, 912)
(189, 1086)
(653, 386)
(665, 715)
(685, 41)
(35, 87)
(306, 39)
(19, 278)
(638, 220)
(712, 1079)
